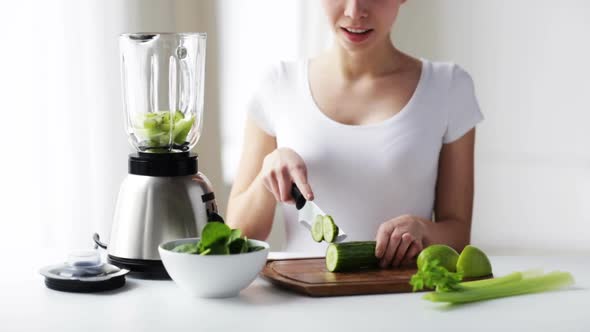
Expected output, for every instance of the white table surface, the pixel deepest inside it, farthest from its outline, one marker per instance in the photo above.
(159, 305)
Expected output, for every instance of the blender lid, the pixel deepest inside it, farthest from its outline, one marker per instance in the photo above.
(83, 272)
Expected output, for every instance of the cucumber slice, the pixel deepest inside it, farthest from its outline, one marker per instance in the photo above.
(330, 229)
(332, 258)
(165, 126)
(181, 130)
(317, 230)
(164, 140)
(351, 256)
(178, 115)
(158, 129)
(149, 123)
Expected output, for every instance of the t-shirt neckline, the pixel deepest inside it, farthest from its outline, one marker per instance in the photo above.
(394, 118)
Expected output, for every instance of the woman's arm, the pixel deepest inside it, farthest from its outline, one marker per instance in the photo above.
(265, 176)
(454, 195)
(399, 240)
(251, 206)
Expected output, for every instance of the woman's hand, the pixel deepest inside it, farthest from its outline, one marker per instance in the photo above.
(399, 240)
(280, 169)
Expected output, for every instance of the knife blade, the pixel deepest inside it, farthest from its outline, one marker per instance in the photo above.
(308, 210)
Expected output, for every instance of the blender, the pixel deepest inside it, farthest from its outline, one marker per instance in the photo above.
(164, 196)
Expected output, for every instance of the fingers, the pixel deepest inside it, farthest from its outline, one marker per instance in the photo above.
(279, 183)
(394, 242)
(413, 251)
(382, 239)
(271, 185)
(299, 174)
(284, 184)
(280, 169)
(405, 243)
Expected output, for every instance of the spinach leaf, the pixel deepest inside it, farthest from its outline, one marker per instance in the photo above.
(219, 239)
(214, 232)
(235, 234)
(238, 246)
(189, 248)
(218, 248)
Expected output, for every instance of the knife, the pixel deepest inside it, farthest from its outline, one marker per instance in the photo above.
(308, 210)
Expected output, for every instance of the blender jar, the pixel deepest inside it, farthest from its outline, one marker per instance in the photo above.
(163, 84)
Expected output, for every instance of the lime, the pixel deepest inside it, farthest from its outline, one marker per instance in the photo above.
(473, 262)
(446, 256)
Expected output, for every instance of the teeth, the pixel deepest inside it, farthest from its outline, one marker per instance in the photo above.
(356, 30)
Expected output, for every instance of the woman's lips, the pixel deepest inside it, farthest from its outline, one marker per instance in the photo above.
(357, 37)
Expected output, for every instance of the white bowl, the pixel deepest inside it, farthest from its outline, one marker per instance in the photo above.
(212, 276)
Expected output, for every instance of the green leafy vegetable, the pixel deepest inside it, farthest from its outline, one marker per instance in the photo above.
(218, 248)
(238, 246)
(218, 239)
(214, 232)
(234, 235)
(432, 275)
(449, 288)
(189, 248)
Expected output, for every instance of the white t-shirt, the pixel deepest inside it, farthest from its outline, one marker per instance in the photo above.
(364, 175)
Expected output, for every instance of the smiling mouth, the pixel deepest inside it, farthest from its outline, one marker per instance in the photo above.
(357, 31)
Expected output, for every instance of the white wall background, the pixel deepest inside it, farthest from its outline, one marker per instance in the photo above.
(60, 83)
(66, 149)
(529, 61)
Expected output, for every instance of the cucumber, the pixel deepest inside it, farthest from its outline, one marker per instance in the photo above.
(181, 129)
(161, 129)
(317, 230)
(149, 123)
(330, 229)
(351, 256)
(165, 126)
(178, 115)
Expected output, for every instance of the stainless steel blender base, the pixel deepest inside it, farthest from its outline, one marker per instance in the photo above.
(151, 210)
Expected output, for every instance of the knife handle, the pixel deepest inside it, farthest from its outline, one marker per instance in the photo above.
(298, 197)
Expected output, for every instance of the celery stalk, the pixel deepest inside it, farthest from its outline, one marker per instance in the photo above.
(550, 281)
(515, 276)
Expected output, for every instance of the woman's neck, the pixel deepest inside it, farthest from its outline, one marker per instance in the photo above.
(375, 62)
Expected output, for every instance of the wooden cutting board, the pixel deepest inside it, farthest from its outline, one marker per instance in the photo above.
(310, 277)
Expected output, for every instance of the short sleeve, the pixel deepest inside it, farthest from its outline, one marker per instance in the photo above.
(259, 107)
(463, 111)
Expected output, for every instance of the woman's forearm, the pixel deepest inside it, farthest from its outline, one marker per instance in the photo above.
(451, 232)
(252, 210)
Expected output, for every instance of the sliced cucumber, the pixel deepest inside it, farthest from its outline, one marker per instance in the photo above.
(149, 123)
(317, 230)
(152, 126)
(181, 130)
(165, 126)
(178, 115)
(351, 256)
(330, 229)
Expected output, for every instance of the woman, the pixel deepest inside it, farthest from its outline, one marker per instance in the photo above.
(382, 141)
